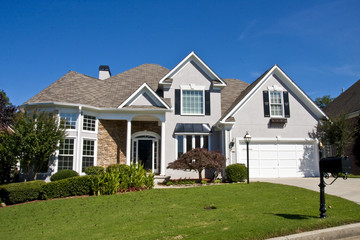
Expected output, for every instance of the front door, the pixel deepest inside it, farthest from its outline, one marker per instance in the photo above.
(145, 150)
(145, 153)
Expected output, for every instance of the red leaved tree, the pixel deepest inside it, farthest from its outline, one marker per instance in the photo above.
(199, 159)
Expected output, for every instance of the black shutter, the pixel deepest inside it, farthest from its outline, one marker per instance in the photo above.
(266, 104)
(207, 102)
(286, 104)
(177, 101)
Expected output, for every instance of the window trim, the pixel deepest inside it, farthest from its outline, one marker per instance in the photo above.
(83, 121)
(76, 122)
(282, 104)
(193, 142)
(82, 152)
(73, 155)
(192, 87)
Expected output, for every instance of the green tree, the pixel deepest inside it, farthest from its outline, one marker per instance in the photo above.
(199, 159)
(322, 102)
(335, 132)
(356, 147)
(8, 157)
(37, 135)
(7, 110)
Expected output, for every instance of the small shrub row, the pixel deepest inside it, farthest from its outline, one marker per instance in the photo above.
(74, 186)
(236, 172)
(21, 192)
(179, 182)
(63, 174)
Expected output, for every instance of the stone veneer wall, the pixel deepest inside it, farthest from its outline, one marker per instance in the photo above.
(111, 142)
(112, 139)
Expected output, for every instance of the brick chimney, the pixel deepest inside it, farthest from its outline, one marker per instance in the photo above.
(104, 72)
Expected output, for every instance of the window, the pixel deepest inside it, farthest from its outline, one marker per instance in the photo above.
(66, 154)
(276, 104)
(88, 154)
(192, 102)
(191, 142)
(89, 123)
(68, 120)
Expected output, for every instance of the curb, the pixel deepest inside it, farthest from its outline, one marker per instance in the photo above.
(340, 232)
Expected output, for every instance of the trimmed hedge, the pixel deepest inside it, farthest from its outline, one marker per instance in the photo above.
(94, 170)
(236, 172)
(63, 174)
(21, 192)
(74, 186)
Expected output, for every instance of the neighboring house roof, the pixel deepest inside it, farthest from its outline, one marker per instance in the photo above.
(78, 88)
(347, 102)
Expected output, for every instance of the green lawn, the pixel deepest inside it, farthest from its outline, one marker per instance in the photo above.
(233, 211)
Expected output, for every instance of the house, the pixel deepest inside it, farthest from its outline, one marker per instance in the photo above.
(151, 115)
(348, 103)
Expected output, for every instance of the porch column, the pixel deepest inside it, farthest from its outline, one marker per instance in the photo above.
(128, 142)
(162, 164)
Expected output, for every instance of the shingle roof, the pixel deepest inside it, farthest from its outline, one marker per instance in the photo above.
(78, 88)
(347, 102)
(231, 92)
(242, 94)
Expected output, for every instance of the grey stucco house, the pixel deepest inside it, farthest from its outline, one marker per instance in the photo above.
(150, 114)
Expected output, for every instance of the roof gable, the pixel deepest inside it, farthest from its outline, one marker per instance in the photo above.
(192, 57)
(255, 86)
(144, 97)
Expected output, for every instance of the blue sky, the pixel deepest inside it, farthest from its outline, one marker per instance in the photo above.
(317, 43)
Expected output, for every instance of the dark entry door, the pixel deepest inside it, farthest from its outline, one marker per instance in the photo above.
(145, 153)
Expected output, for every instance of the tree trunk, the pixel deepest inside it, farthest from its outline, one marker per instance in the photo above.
(200, 176)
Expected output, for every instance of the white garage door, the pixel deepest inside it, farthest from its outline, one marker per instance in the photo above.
(273, 160)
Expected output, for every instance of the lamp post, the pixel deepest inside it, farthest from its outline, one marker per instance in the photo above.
(247, 139)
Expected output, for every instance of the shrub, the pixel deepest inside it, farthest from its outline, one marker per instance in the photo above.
(21, 192)
(199, 159)
(236, 172)
(62, 174)
(94, 170)
(74, 186)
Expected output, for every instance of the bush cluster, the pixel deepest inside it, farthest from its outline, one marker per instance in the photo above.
(236, 172)
(74, 186)
(120, 177)
(21, 192)
(62, 174)
(116, 178)
(94, 170)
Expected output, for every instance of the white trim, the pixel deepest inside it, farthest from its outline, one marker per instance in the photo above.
(182, 101)
(190, 133)
(128, 142)
(145, 133)
(162, 164)
(278, 139)
(289, 83)
(153, 94)
(82, 149)
(282, 103)
(200, 63)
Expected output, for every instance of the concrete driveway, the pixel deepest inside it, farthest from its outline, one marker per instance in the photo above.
(348, 189)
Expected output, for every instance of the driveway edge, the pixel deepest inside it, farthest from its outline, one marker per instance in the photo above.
(340, 232)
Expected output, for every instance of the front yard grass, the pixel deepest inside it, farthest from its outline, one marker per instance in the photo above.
(232, 211)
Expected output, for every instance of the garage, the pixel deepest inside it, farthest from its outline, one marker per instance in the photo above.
(279, 159)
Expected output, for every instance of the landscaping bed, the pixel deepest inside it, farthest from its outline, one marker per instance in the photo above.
(226, 211)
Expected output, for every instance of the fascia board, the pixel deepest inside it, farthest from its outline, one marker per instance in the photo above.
(289, 83)
(280, 140)
(88, 107)
(153, 94)
(187, 59)
(301, 94)
(247, 97)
